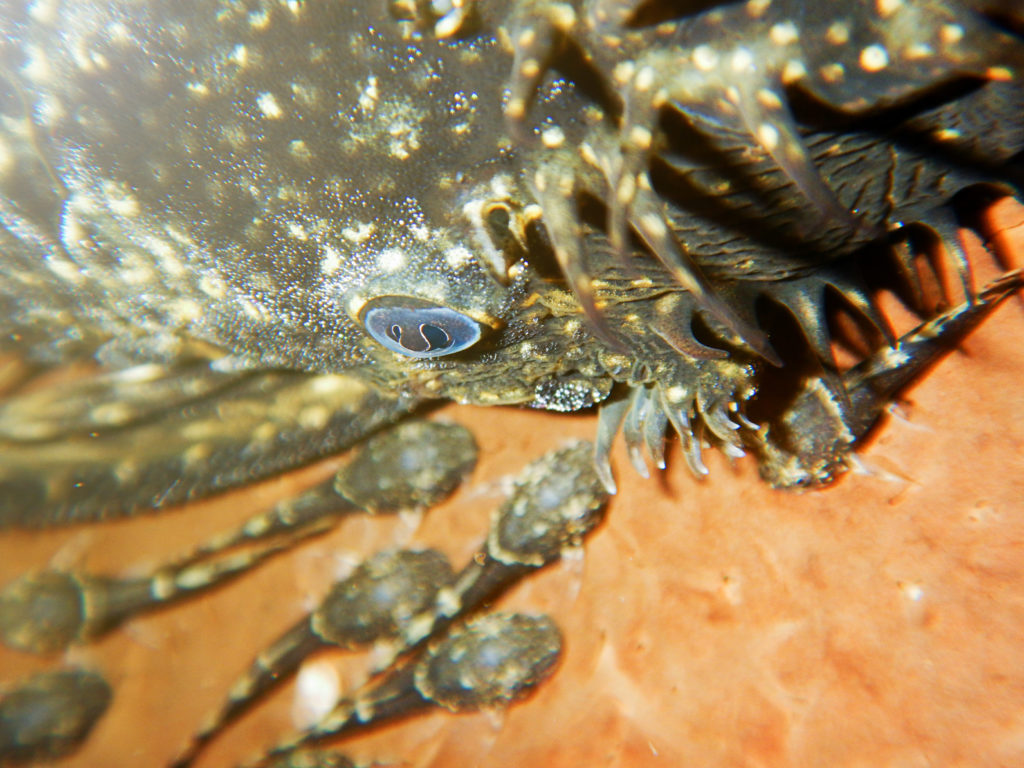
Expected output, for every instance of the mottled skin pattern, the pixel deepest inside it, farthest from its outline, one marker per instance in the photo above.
(222, 191)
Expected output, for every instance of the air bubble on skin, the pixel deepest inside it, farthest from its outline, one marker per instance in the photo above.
(317, 690)
(411, 521)
(572, 563)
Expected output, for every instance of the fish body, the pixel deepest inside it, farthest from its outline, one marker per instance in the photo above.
(263, 230)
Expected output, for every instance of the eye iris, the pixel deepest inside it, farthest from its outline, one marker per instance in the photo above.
(415, 328)
(436, 337)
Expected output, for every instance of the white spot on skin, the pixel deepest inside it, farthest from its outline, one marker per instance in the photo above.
(500, 186)
(253, 311)
(6, 157)
(391, 260)
(792, 71)
(118, 32)
(458, 257)
(331, 262)
(268, 106)
(239, 55)
(626, 190)
(359, 233)
(768, 99)
(49, 111)
(110, 413)
(526, 38)
(623, 72)
(838, 33)
(785, 33)
(314, 417)
(405, 139)
(37, 65)
(212, 286)
(653, 224)
(742, 60)
(264, 434)
(756, 8)
(165, 254)
(916, 51)
(259, 19)
(369, 96)
(83, 58)
(644, 79)
(951, 34)
(304, 93)
(186, 310)
(161, 587)
(196, 454)
(43, 11)
(730, 589)
(886, 8)
(832, 73)
(874, 58)
(562, 16)
(768, 135)
(529, 69)
(705, 58)
(640, 137)
(299, 150)
(553, 137)
(676, 395)
(121, 202)
(126, 471)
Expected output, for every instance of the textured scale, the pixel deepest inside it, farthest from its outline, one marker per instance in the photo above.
(261, 231)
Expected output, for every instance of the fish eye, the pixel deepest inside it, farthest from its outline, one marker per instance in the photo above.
(418, 328)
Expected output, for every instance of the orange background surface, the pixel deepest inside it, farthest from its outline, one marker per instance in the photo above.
(711, 623)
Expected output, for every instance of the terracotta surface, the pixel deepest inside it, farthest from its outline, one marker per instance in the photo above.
(714, 623)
